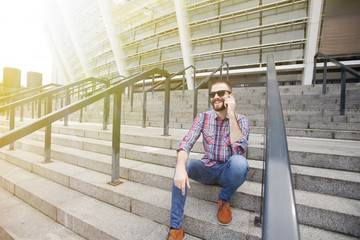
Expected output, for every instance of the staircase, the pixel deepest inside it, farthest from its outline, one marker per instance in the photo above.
(70, 198)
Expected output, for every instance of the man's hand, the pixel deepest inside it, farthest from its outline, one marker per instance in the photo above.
(230, 104)
(235, 132)
(181, 179)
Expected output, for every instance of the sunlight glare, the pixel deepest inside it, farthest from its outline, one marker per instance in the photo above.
(23, 44)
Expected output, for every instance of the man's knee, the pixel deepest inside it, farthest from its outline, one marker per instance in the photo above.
(192, 166)
(240, 164)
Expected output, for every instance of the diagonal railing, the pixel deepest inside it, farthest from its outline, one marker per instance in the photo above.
(208, 80)
(280, 217)
(344, 70)
(26, 92)
(47, 97)
(11, 91)
(167, 89)
(46, 121)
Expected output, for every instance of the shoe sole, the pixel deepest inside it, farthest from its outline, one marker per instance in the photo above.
(184, 236)
(223, 224)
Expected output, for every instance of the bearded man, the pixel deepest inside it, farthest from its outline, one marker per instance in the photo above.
(225, 140)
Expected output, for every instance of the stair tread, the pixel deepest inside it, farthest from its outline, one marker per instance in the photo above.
(136, 191)
(82, 206)
(336, 204)
(69, 205)
(21, 221)
(297, 169)
(328, 146)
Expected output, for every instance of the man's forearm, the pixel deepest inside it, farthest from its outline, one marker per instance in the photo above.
(181, 179)
(235, 132)
(181, 159)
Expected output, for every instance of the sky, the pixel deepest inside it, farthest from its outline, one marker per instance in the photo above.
(23, 44)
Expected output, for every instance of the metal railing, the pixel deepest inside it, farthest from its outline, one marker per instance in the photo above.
(51, 117)
(280, 217)
(344, 70)
(16, 95)
(10, 91)
(207, 80)
(45, 100)
(167, 94)
(23, 93)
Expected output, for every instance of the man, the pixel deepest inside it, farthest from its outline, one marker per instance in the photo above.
(225, 137)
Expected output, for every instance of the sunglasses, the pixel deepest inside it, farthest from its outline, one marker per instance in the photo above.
(220, 93)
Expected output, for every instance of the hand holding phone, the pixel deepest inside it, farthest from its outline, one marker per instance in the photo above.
(230, 104)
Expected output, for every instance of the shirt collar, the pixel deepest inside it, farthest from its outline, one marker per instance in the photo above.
(215, 116)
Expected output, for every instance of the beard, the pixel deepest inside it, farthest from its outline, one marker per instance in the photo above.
(219, 106)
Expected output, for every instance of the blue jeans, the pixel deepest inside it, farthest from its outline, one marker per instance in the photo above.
(230, 175)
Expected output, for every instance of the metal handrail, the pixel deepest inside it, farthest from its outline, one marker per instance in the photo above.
(344, 70)
(28, 91)
(23, 93)
(51, 117)
(5, 93)
(207, 79)
(48, 95)
(280, 217)
(167, 88)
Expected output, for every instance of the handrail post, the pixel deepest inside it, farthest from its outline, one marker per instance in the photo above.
(227, 74)
(106, 109)
(221, 69)
(195, 102)
(12, 125)
(314, 71)
(144, 107)
(324, 76)
(32, 109)
(39, 108)
(195, 96)
(209, 90)
(343, 92)
(152, 85)
(183, 85)
(22, 113)
(47, 149)
(167, 107)
(115, 165)
(67, 102)
(132, 98)
(344, 69)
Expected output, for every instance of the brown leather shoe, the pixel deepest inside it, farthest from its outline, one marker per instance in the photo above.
(176, 234)
(224, 215)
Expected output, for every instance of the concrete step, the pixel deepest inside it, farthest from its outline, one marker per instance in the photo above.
(18, 220)
(93, 184)
(244, 201)
(310, 152)
(252, 112)
(303, 122)
(328, 181)
(316, 133)
(87, 204)
(87, 216)
(258, 104)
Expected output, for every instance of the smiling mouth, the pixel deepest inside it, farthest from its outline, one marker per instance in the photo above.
(217, 101)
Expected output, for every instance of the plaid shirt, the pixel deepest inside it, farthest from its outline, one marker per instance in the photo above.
(216, 137)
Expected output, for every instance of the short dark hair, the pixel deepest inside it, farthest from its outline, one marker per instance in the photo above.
(227, 83)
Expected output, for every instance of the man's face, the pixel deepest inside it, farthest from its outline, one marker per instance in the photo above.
(218, 101)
